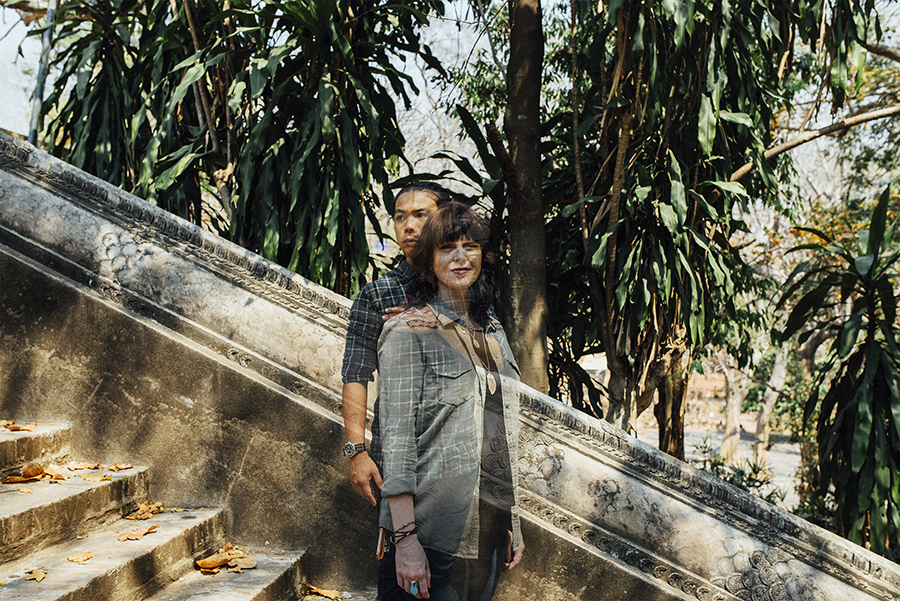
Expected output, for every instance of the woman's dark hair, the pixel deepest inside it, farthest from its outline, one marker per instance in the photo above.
(451, 222)
(441, 195)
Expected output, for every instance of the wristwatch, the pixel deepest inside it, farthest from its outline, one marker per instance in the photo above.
(352, 449)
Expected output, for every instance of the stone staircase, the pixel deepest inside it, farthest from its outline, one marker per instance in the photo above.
(41, 529)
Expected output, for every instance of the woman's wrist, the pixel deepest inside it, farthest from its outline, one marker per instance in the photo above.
(407, 541)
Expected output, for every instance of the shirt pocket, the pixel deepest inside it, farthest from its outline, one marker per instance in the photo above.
(456, 384)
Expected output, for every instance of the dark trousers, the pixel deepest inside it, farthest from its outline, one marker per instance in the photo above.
(455, 579)
(452, 579)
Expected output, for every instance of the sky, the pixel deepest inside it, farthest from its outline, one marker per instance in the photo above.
(17, 73)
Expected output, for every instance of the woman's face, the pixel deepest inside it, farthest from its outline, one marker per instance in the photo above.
(457, 265)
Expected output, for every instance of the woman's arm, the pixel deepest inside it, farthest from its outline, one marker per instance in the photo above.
(412, 565)
(401, 375)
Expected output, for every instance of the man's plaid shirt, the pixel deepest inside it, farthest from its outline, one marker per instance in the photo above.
(366, 323)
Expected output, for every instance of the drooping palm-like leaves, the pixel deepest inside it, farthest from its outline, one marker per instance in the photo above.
(676, 96)
(271, 120)
(858, 427)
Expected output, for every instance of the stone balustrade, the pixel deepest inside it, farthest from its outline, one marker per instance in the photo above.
(223, 369)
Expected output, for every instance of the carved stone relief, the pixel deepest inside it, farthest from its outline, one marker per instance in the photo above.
(150, 226)
(621, 549)
(765, 579)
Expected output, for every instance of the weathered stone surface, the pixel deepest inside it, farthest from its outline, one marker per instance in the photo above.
(55, 512)
(48, 443)
(221, 371)
(275, 577)
(118, 570)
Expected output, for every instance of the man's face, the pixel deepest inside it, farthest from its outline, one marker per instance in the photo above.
(410, 213)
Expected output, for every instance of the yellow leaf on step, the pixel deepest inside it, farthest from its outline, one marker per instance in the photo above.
(83, 466)
(218, 559)
(25, 490)
(136, 534)
(13, 428)
(80, 557)
(309, 589)
(36, 575)
(97, 477)
(55, 472)
(32, 470)
(145, 510)
(241, 563)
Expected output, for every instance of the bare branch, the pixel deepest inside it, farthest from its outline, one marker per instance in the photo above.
(809, 136)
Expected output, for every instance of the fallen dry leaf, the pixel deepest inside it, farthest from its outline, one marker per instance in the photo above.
(36, 575)
(145, 510)
(6, 422)
(309, 589)
(25, 490)
(136, 534)
(32, 470)
(16, 428)
(80, 557)
(53, 471)
(209, 571)
(238, 564)
(17, 480)
(84, 466)
(225, 554)
(97, 477)
(120, 466)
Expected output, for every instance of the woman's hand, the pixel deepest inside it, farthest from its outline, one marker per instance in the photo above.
(412, 566)
(513, 558)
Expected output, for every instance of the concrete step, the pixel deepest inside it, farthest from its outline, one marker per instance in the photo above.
(48, 443)
(276, 577)
(128, 570)
(52, 513)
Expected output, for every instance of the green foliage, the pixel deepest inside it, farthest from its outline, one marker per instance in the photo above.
(686, 92)
(752, 477)
(858, 425)
(788, 410)
(814, 504)
(282, 112)
(701, 95)
(480, 82)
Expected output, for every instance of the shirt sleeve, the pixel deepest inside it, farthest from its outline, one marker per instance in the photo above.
(400, 383)
(361, 343)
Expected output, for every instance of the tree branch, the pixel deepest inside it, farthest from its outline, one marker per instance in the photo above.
(809, 136)
(882, 51)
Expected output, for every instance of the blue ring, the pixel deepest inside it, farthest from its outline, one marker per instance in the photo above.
(414, 588)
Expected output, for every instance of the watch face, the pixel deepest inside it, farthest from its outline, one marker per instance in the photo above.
(351, 449)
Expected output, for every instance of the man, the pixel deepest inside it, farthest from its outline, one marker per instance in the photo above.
(414, 204)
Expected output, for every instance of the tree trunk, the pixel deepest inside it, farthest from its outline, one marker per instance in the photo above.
(807, 352)
(527, 309)
(669, 412)
(735, 392)
(776, 382)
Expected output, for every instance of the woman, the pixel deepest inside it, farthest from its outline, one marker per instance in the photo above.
(448, 425)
